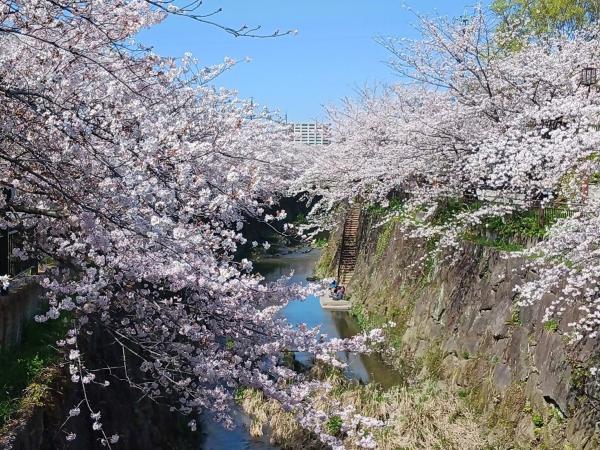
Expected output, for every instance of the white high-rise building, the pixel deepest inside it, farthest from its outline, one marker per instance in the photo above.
(313, 133)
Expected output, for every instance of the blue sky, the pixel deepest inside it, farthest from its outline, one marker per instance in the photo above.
(333, 54)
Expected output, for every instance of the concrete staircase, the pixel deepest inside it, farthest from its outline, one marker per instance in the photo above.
(349, 246)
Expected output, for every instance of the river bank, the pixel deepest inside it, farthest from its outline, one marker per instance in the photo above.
(254, 432)
(418, 415)
(458, 324)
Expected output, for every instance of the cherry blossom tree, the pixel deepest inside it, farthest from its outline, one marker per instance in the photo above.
(134, 176)
(512, 130)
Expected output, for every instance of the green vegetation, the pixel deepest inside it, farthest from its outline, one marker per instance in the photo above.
(300, 219)
(240, 394)
(334, 425)
(494, 243)
(429, 264)
(383, 240)
(449, 208)
(400, 315)
(320, 242)
(537, 419)
(580, 374)
(395, 204)
(22, 365)
(539, 17)
(595, 178)
(500, 232)
(433, 360)
(527, 223)
(551, 325)
(366, 320)
(557, 415)
(515, 317)
(524, 224)
(326, 266)
(496, 232)
(504, 230)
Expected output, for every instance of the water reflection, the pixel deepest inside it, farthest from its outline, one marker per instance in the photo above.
(217, 437)
(367, 368)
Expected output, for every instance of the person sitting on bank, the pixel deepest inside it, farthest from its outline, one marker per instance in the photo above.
(339, 292)
(334, 293)
(333, 284)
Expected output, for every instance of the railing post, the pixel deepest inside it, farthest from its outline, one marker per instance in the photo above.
(4, 253)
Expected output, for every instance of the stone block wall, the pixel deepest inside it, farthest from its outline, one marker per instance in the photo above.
(501, 358)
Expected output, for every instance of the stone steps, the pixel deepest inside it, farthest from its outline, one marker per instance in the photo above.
(349, 247)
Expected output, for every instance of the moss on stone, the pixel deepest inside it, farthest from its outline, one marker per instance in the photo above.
(326, 266)
(38, 394)
(383, 239)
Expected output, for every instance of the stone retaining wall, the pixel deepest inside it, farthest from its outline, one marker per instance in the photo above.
(522, 376)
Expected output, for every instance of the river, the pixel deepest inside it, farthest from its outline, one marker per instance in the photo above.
(368, 368)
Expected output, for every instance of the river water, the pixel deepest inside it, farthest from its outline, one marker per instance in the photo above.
(367, 368)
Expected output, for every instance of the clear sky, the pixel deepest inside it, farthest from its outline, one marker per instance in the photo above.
(333, 54)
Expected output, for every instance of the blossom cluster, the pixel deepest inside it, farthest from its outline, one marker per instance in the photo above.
(502, 130)
(134, 177)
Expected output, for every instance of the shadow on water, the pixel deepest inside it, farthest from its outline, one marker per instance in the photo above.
(217, 437)
(367, 368)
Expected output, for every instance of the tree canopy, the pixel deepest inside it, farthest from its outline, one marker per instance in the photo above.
(539, 17)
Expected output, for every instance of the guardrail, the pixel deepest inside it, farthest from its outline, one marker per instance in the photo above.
(553, 212)
(10, 264)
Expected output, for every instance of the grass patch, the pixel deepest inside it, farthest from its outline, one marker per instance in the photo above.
(551, 326)
(515, 317)
(320, 242)
(537, 419)
(20, 366)
(433, 360)
(498, 244)
(526, 223)
(449, 208)
(394, 204)
(334, 425)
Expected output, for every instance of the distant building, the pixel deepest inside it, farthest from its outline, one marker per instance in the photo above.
(312, 133)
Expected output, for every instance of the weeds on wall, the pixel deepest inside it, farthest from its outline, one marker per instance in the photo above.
(21, 366)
